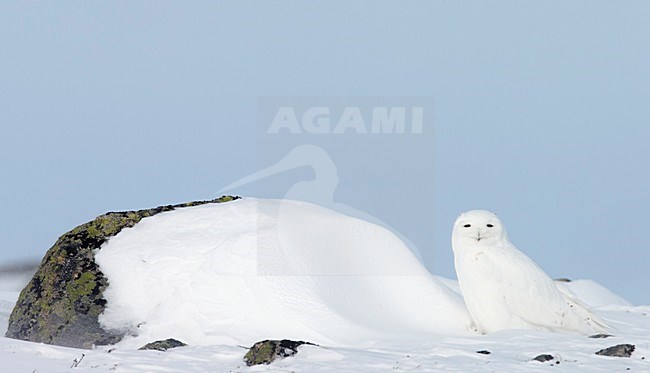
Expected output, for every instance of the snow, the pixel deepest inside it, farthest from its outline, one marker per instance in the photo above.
(194, 274)
(511, 351)
(594, 294)
(253, 269)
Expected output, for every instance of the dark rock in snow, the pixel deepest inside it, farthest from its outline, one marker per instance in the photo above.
(163, 345)
(624, 350)
(543, 358)
(266, 352)
(61, 303)
(600, 336)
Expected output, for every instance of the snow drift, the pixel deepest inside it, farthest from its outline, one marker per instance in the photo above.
(255, 269)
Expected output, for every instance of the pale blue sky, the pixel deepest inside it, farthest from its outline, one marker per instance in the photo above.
(541, 114)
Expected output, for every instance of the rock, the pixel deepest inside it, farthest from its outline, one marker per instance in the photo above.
(624, 350)
(483, 352)
(543, 358)
(266, 352)
(163, 345)
(600, 336)
(61, 303)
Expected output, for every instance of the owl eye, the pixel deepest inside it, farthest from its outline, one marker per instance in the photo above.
(490, 225)
(467, 225)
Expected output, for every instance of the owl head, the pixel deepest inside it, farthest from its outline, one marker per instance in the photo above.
(478, 228)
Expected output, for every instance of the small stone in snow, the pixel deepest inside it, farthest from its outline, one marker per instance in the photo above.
(266, 352)
(543, 358)
(624, 350)
(163, 345)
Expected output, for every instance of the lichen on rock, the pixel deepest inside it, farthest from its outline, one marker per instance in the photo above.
(62, 302)
(266, 352)
(163, 345)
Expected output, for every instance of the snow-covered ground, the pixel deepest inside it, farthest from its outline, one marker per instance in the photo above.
(220, 277)
(511, 351)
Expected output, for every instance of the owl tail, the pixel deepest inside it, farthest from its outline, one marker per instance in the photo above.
(583, 311)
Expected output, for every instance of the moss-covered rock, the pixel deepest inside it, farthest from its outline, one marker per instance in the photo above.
(266, 352)
(163, 345)
(62, 302)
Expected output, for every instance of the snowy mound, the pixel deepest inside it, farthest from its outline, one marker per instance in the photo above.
(254, 269)
(594, 294)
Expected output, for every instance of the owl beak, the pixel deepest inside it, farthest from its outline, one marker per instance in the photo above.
(478, 238)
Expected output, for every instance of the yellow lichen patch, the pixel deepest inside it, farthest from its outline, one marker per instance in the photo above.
(83, 285)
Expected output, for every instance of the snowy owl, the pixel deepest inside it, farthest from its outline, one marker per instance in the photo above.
(504, 289)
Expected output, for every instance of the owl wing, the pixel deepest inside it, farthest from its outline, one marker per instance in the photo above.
(530, 293)
(583, 311)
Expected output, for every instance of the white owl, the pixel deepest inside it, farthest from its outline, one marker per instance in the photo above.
(504, 289)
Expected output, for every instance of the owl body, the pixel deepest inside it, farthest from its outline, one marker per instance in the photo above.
(505, 289)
